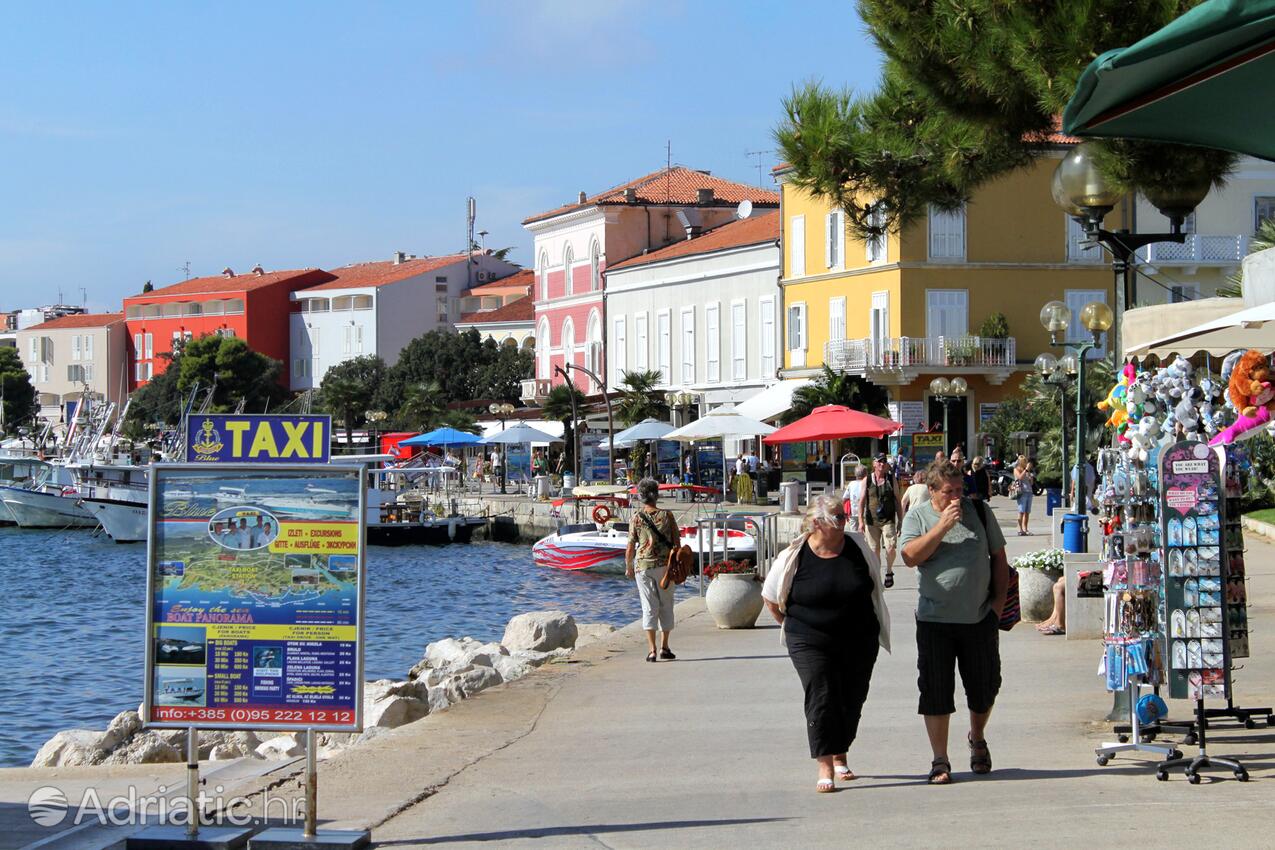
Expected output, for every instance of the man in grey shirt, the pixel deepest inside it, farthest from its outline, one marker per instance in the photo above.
(959, 553)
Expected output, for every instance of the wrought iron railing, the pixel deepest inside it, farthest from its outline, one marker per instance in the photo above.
(1198, 248)
(861, 355)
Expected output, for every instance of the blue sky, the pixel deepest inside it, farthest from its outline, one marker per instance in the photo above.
(137, 137)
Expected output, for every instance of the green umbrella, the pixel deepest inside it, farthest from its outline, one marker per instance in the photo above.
(1198, 81)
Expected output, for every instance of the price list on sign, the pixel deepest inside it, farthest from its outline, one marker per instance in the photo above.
(256, 588)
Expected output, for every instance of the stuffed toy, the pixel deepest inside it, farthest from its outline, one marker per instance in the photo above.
(1116, 403)
(1142, 439)
(1251, 394)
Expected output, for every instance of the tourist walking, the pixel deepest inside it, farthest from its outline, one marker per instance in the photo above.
(825, 592)
(653, 533)
(879, 513)
(979, 482)
(853, 494)
(915, 494)
(958, 551)
(1021, 491)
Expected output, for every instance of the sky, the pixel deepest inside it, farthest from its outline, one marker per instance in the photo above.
(136, 138)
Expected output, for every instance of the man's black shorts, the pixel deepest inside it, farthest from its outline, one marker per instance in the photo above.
(943, 647)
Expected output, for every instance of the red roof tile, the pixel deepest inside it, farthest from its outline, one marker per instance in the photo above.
(221, 283)
(78, 320)
(522, 310)
(386, 272)
(524, 279)
(755, 230)
(672, 186)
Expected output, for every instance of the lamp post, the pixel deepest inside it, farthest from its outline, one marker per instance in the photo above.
(948, 391)
(575, 454)
(502, 410)
(1082, 191)
(678, 401)
(1096, 318)
(1058, 372)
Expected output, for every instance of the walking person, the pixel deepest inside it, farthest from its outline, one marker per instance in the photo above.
(915, 494)
(1024, 483)
(979, 482)
(879, 514)
(825, 592)
(958, 550)
(653, 533)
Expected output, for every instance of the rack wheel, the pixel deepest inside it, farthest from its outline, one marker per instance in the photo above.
(1190, 739)
(1124, 739)
(1102, 760)
(1193, 778)
(1250, 723)
(1176, 754)
(1241, 775)
(1161, 775)
(1148, 738)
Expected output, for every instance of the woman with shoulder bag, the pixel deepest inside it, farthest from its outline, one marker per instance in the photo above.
(653, 534)
(1021, 491)
(825, 592)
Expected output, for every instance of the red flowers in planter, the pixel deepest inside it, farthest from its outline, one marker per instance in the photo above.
(736, 567)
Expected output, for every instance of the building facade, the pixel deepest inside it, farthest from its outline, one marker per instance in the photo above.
(502, 311)
(74, 356)
(906, 308)
(378, 308)
(251, 306)
(704, 312)
(575, 244)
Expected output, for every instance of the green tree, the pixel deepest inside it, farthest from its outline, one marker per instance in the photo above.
(829, 387)
(639, 399)
(423, 409)
(157, 403)
(19, 395)
(463, 365)
(236, 371)
(558, 405)
(970, 91)
(349, 388)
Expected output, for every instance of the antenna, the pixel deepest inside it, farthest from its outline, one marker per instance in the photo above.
(760, 163)
(668, 171)
(185, 268)
(84, 297)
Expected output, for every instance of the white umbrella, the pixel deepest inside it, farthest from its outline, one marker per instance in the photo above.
(522, 433)
(605, 443)
(1251, 328)
(647, 429)
(719, 424)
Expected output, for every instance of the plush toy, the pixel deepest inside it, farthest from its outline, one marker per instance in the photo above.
(1142, 439)
(1250, 392)
(1116, 403)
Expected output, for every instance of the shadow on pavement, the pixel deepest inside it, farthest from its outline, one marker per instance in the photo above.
(582, 829)
(683, 659)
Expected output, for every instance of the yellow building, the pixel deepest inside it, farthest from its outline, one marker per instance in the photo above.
(907, 308)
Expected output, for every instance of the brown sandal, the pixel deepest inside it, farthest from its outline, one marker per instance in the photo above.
(940, 767)
(980, 756)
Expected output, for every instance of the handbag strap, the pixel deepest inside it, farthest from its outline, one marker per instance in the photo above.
(659, 534)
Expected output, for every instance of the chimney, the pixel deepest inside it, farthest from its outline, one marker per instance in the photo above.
(630, 196)
(258, 270)
(399, 257)
(227, 272)
(582, 198)
(704, 197)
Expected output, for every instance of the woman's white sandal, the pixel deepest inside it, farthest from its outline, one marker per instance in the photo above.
(843, 772)
(825, 786)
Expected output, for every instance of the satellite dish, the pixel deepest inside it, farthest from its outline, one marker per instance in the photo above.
(744, 210)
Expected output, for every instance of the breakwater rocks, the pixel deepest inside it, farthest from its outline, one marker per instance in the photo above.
(452, 670)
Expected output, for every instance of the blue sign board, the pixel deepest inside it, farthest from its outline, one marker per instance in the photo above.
(258, 438)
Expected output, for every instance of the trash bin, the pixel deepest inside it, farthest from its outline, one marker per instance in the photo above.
(761, 492)
(1075, 529)
(542, 486)
(1053, 499)
(568, 484)
(789, 491)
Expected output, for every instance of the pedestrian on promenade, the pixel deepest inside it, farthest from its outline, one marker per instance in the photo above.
(853, 494)
(959, 553)
(1021, 491)
(979, 481)
(825, 592)
(653, 533)
(879, 514)
(918, 492)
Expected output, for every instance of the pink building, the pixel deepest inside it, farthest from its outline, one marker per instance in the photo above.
(574, 243)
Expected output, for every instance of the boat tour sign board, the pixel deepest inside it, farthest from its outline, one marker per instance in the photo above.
(255, 597)
(258, 438)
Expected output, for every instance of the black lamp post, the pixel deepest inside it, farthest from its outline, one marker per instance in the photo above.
(1058, 372)
(948, 391)
(502, 410)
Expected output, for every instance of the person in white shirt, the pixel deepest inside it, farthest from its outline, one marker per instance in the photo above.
(853, 494)
(917, 493)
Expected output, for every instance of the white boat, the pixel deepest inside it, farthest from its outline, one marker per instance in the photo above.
(124, 520)
(46, 508)
(588, 547)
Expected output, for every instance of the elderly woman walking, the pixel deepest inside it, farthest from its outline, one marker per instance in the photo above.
(825, 592)
(653, 533)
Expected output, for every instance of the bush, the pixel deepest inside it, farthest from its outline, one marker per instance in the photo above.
(995, 326)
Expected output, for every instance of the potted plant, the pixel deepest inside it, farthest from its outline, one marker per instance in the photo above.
(733, 597)
(1037, 572)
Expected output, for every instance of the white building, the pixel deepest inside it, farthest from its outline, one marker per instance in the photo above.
(73, 355)
(703, 311)
(378, 308)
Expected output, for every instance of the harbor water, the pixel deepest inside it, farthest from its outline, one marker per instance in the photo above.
(72, 634)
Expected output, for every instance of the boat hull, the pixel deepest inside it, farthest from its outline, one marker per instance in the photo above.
(436, 533)
(125, 522)
(603, 552)
(33, 509)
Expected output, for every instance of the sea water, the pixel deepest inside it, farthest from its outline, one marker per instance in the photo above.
(73, 619)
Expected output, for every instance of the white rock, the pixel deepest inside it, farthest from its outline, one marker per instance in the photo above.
(281, 747)
(592, 633)
(220, 744)
(71, 747)
(145, 748)
(540, 631)
(453, 654)
(391, 704)
(537, 659)
(511, 668)
(476, 679)
(125, 725)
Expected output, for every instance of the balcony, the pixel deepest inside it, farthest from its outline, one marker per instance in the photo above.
(1198, 250)
(535, 389)
(900, 360)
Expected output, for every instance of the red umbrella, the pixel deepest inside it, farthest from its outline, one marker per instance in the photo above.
(833, 422)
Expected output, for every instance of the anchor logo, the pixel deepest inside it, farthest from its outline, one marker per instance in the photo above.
(208, 440)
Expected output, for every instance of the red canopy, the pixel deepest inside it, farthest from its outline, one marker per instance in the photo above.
(833, 422)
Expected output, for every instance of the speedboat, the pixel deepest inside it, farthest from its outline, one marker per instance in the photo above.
(590, 547)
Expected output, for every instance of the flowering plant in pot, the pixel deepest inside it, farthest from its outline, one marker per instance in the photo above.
(742, 567)
(1037, 572)
(733, 597)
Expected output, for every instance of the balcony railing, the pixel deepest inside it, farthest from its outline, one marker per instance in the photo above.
(899, 353)
(535, 388)
(1198, 249)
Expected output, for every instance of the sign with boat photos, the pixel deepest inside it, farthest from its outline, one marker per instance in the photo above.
(255, 597)
(258, 438)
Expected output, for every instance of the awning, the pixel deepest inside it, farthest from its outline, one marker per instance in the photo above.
(1142, 326)
(772, 401)
(1251, 328)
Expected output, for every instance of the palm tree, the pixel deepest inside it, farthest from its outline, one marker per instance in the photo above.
(1263, 239)
(639, 399)
(344, 397)
(831, 387)
(558, 405)
(422, 408)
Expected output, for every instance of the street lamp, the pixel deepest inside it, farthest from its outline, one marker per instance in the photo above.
(679, 401)
(1081, 190)
(948, 391)
(1058, 372)
(606, 397)
(502, 411)
(1097, 319)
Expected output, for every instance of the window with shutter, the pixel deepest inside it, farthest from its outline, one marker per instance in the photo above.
(797, 246)
(619, 351)
(1263, 210)
(713, 342)
(688, 346)
(641, 345)
(947, 234)
(766, 307)
(1076, 299)
(837, 319)
(739, 340)
(876, 245)
(664, 345)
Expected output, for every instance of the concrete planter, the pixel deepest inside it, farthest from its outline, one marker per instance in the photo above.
(734, 600)
(1035, 593)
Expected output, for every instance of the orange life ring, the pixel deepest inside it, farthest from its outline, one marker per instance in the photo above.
(602, 515)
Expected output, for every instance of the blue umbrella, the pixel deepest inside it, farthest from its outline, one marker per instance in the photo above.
(443, 437)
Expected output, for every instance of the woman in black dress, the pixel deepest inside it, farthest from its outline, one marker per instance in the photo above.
(825, 592)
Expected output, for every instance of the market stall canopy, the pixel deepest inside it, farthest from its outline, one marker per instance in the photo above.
(833, 422)
(1197, 81)
(443, 437)
(1251, 328)
(522, 433)
(773, 400)
(1142, 326)
(605, 444)
(725, 421)
(647, 429)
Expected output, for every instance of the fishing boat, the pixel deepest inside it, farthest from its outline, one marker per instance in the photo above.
(49, 500)
(124, 520)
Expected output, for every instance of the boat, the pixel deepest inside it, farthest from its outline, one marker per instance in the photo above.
(407, 504)
(49, 500)
(124, 520)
